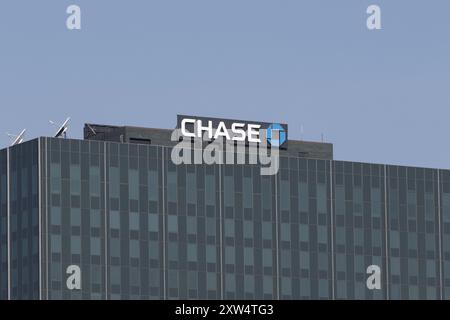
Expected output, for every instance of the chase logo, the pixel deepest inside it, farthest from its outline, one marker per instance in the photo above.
(276, 134)
(232, 130)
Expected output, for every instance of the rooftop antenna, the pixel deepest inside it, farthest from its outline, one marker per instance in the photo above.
(18, 139)
(322, 137)
(92, 129)
(62, 131)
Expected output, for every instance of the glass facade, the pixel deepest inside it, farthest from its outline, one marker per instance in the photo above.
(414, 258)
(444, 232)
(74, 218)
(3, 225)
(19, 222)
(192, 236)
(359, 228)
(140, 227)
(304, 226)
(249, 241)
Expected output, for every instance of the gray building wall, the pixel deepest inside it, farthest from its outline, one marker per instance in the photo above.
(19, 222)
(3, 225)
(140, 227)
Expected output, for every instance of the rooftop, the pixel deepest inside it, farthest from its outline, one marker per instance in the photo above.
(155, 136)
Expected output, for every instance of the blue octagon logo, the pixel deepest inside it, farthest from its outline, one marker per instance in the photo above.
(276, 135)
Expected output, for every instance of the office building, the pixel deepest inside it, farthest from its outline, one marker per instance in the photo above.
(115, 213)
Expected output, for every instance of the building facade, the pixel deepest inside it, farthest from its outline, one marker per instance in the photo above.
(137, 226)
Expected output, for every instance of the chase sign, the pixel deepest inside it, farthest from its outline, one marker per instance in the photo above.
(234, 130)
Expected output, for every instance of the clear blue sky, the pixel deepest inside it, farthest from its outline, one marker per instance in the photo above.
(378, 96)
